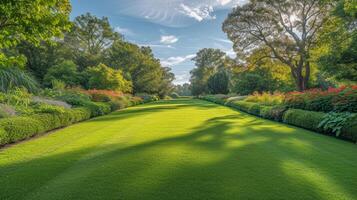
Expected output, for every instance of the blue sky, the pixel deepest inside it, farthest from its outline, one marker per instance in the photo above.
(174, 29)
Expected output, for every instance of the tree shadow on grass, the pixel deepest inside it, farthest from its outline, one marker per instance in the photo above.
(229, 157)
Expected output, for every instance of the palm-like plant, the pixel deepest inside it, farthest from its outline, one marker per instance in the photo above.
(12, 77)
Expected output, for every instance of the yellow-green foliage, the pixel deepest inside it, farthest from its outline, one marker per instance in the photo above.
(266, 98)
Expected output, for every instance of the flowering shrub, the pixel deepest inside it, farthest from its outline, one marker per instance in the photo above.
(266, 98)
(343, 99)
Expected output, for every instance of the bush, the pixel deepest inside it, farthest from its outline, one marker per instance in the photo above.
(50, 102)
(19, 128)
(334, 122)
(6, 111)
(305, 119)
(104, 77)
(266, 98)
(174, 95)
(147, 97)
(97, 108)
(343, 99)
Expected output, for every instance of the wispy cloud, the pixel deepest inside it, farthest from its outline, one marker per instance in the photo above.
(124, 31)
(199, 13)
(157, 46)
(223, 40)
(168, 39)
(172, 61)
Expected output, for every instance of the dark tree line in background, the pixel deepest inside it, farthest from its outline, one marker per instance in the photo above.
(282, 45)
(38, 40)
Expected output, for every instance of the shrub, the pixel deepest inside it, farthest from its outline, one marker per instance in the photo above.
(46, 108)
(6, 111)
(334, 122)
(104, 77)
(147, 97)
(174, 95)
(343, 99)
(266, 98)
(50, 102)
(305, 119)
(12, 77)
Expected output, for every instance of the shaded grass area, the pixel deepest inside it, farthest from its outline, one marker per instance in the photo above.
(180, 149)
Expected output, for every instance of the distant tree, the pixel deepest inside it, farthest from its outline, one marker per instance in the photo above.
(183, 90)
(208, 62)
(32, 20)
(219, 83)
(66, 72)
(103, 77)
(289, 29)
(140, 66)
(88, 39)
(166, 86)
(258, 79)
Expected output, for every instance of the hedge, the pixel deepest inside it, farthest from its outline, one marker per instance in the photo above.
(13, 129)
(301, 118)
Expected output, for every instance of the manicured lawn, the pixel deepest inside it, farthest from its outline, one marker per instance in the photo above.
(181, 149)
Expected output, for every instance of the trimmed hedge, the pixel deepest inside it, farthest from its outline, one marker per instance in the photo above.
(13, 129)
(303, 118)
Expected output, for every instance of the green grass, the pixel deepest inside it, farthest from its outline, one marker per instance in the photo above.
(180, 149)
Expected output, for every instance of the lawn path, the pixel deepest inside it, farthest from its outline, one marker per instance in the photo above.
(179, 149)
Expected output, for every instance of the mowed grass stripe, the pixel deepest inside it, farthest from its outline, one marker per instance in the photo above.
(179, 149)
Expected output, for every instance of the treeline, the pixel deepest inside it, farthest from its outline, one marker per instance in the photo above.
(282, 46)
(41, 47)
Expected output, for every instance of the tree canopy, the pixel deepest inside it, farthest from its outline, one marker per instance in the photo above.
(289, 29)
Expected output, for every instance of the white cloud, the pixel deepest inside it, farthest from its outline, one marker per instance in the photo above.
(168, 39)
(223, 40)
(123, 31)
(172, 61)
(199, 13)
(231, 53)
(155, 45)
(181, 79)
(224, 2)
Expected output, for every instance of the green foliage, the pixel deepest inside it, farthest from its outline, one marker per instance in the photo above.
(183, 90)
(51, 109)
(32, 20)
(208, 62)
(218, 83)
(103, 77)
(174, 95)
(257, 80)
(17, 97)
(305, 119)
(334, 122)
(13, 77)
(66, 72)
(266, 98)
(147, 97)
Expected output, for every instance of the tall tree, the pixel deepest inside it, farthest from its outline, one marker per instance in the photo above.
(287, 28)
(88, 39)
(338, 43)
(207, 62)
